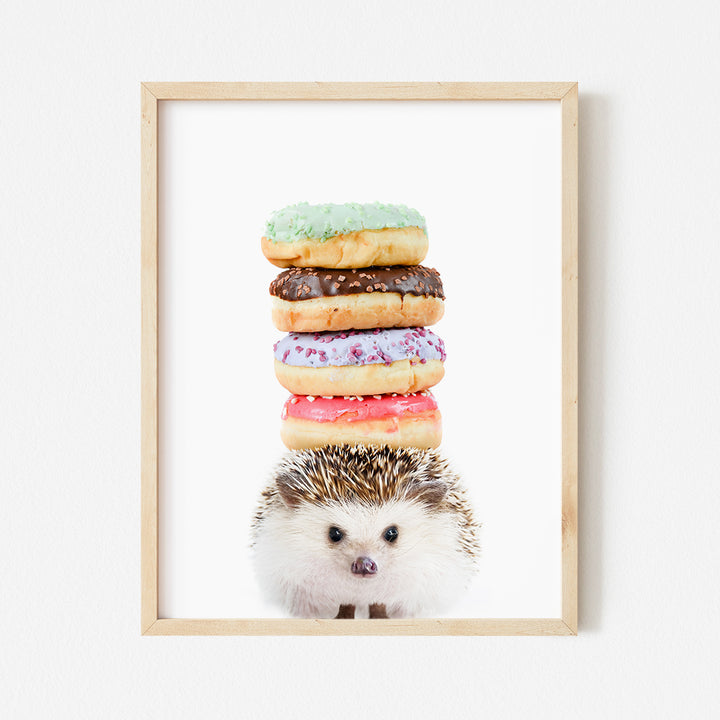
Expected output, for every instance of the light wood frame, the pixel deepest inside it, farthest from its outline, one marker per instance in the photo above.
(566, 93)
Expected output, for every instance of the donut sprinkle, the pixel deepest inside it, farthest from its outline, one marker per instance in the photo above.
(321, 222)
(358, 409)
(359, 347)
(309, 283)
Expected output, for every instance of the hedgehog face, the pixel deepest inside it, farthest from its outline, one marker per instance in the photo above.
(361, 541)
(350, 553)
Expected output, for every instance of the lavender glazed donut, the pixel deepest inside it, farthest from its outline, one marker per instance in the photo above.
(318, 299)
(351, 235)
(360, 362)
(408, 420)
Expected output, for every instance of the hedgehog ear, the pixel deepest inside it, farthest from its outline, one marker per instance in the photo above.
(430, 492)
(288, 490)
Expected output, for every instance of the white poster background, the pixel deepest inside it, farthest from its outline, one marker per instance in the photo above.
(486, 175)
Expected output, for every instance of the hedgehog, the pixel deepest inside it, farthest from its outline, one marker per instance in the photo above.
(349, 531)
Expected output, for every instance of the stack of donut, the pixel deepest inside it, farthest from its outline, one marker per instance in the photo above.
(354, 302)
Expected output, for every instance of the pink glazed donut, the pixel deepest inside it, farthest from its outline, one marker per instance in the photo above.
(410, 420)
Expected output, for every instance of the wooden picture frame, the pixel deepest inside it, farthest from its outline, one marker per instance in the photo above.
(152, 94)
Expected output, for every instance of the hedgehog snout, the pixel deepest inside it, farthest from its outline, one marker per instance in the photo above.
(364, 566)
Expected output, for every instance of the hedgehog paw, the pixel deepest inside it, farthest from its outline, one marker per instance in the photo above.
(377, 611)
(346, 612)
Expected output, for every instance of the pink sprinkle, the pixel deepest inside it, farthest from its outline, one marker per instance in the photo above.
(275, 346)
(343, 335)
(298, 348)
(308, 352)
(285, 355)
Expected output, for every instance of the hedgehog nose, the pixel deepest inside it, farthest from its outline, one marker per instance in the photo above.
(364, 566)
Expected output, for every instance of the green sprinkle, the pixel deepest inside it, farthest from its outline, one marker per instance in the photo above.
(305, 220)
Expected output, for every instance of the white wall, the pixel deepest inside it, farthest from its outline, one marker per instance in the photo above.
(69, 366)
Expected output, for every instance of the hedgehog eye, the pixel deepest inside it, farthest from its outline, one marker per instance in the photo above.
(335, 534)
(391, 534)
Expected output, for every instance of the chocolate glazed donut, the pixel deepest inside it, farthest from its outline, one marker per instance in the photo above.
(318, 299)
(307, 283)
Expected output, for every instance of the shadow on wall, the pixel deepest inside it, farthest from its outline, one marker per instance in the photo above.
(595, 158)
